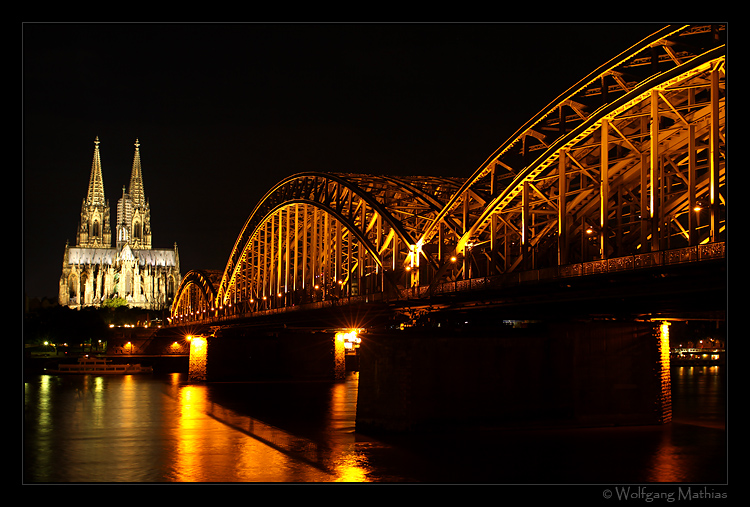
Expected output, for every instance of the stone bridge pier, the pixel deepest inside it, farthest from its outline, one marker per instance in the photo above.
(561, 373)
(253, 354)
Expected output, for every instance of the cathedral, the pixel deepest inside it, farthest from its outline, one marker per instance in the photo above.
(94, 271)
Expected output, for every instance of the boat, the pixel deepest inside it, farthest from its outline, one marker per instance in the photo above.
(98, 366)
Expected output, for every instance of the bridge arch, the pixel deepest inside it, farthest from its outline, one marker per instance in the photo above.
(321, 235)
(196, 296)
(616, 165)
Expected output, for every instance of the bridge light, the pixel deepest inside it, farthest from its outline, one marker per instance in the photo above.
(453, 258)
(349, 338)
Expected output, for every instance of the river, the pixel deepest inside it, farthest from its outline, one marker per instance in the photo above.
(161, 428)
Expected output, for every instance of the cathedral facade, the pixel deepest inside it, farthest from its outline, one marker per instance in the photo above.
(94, 270)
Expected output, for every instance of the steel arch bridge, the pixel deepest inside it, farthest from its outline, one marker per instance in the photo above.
(620, 169)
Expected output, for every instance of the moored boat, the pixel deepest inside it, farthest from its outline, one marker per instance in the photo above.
(98, 366)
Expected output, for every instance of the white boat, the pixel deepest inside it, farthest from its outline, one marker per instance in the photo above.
(98, 366)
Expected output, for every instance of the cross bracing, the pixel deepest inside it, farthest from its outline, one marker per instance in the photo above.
(318, 235)
(619, 144)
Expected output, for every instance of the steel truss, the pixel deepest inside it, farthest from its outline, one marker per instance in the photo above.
(630, 160)
(196, 296)
(316, 236)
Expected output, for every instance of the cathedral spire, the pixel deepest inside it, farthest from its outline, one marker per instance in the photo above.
(136, 179)
(93, 229)
(95, 196)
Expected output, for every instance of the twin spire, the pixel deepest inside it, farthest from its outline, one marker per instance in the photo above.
(133, 224)
(95, 196)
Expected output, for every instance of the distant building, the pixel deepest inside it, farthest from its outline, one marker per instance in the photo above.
(94, 271)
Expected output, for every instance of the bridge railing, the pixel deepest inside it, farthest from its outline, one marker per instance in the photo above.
(710, 251)
(230, 314)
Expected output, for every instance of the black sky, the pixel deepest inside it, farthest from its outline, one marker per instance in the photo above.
(224, 111)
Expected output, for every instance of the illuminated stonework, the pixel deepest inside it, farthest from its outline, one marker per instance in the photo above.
(197, 364)
(94, 271)
(339, 352)
(665, 395)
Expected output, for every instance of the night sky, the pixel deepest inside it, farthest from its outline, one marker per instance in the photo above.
(224, 111)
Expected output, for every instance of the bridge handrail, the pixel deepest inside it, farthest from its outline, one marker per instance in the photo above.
(706, 252)
(710, 251)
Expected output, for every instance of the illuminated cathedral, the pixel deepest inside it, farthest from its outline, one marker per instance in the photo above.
(94, 271)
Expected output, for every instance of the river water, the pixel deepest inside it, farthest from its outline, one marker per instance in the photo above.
(163, 429)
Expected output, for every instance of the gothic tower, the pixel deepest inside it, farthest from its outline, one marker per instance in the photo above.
(133, 211)
(94, 228)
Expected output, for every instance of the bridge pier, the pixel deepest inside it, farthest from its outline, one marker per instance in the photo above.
(253, 354)
(562, 373)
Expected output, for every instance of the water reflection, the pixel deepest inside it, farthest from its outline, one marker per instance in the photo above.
(668, 461)
(133, 429)
(213, 443)
(87, 429)
(699, 395)
(150, 429)
(205, 451)
(699, 401)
